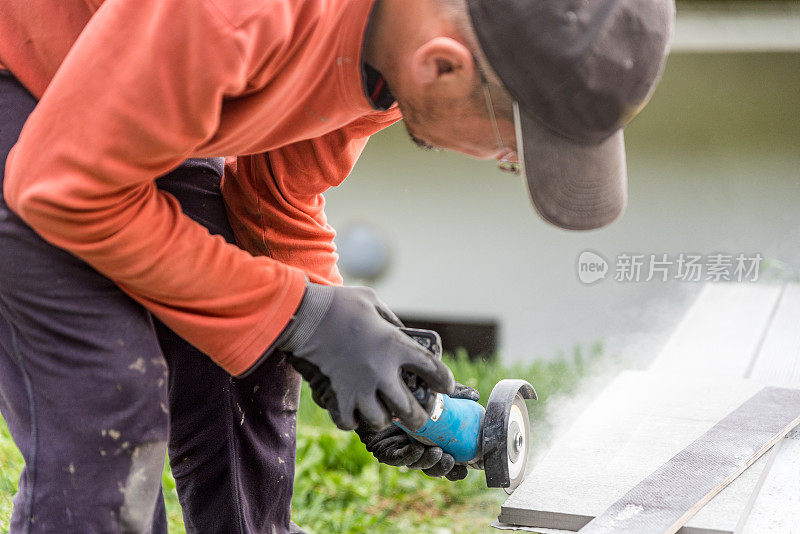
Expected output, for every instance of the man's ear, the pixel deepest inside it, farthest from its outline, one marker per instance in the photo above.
(443, 64)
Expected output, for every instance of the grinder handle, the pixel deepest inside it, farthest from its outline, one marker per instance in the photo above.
(433, 343)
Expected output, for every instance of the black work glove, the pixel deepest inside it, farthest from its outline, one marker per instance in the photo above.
(348, 345)
(392, 446)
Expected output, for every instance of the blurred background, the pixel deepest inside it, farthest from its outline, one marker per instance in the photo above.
(713, 166)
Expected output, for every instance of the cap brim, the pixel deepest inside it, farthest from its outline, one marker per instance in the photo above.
(572, 185)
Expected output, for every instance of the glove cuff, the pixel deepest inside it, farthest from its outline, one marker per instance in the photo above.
(316, 301)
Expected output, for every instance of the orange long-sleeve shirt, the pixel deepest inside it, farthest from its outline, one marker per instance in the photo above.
(130, 88)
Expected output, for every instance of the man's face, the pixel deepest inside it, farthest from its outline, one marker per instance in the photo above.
(461, 125)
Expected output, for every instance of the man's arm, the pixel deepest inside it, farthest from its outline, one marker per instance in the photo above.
(142, 87)
(275, 200)
(141, 90)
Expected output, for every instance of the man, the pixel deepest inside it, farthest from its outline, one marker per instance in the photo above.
(130, 319)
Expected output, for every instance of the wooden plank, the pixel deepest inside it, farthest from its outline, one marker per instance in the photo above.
(726, 510)
(667, 498)
(774, 506)
(720, 516)
(722, 331)
(636, 424)
(723, 513)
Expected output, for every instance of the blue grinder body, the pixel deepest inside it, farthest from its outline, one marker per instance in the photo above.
(455, 426)
(494, 439)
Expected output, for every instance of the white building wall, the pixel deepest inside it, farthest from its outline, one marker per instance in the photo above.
(714, 166)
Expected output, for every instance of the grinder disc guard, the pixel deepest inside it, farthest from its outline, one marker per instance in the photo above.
(506, 434)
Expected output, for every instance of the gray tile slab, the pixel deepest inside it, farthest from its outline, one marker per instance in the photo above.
(636, 424)
(663, 501)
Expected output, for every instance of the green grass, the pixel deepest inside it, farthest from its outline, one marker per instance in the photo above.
(340, 488)
(10, 465)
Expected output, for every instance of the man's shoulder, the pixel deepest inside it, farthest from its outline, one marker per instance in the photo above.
(370, 123)
(238, 13)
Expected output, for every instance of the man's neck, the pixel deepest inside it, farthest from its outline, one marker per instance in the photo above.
(377, 53)
(395, 30)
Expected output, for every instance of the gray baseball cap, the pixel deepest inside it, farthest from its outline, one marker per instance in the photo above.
(578, 72)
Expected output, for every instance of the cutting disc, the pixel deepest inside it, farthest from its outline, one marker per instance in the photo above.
(506, 434)
(517, 442)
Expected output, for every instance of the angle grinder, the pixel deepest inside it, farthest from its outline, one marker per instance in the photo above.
(495, 439)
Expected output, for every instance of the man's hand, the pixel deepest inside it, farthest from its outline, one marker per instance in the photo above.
(392, 446)
(348, 345)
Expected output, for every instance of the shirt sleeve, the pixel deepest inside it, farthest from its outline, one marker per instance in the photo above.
(142, 87)
(275, 200)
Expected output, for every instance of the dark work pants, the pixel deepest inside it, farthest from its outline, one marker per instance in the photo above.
(94, 390)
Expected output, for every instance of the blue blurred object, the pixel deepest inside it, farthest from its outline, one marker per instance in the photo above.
(363, 253)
